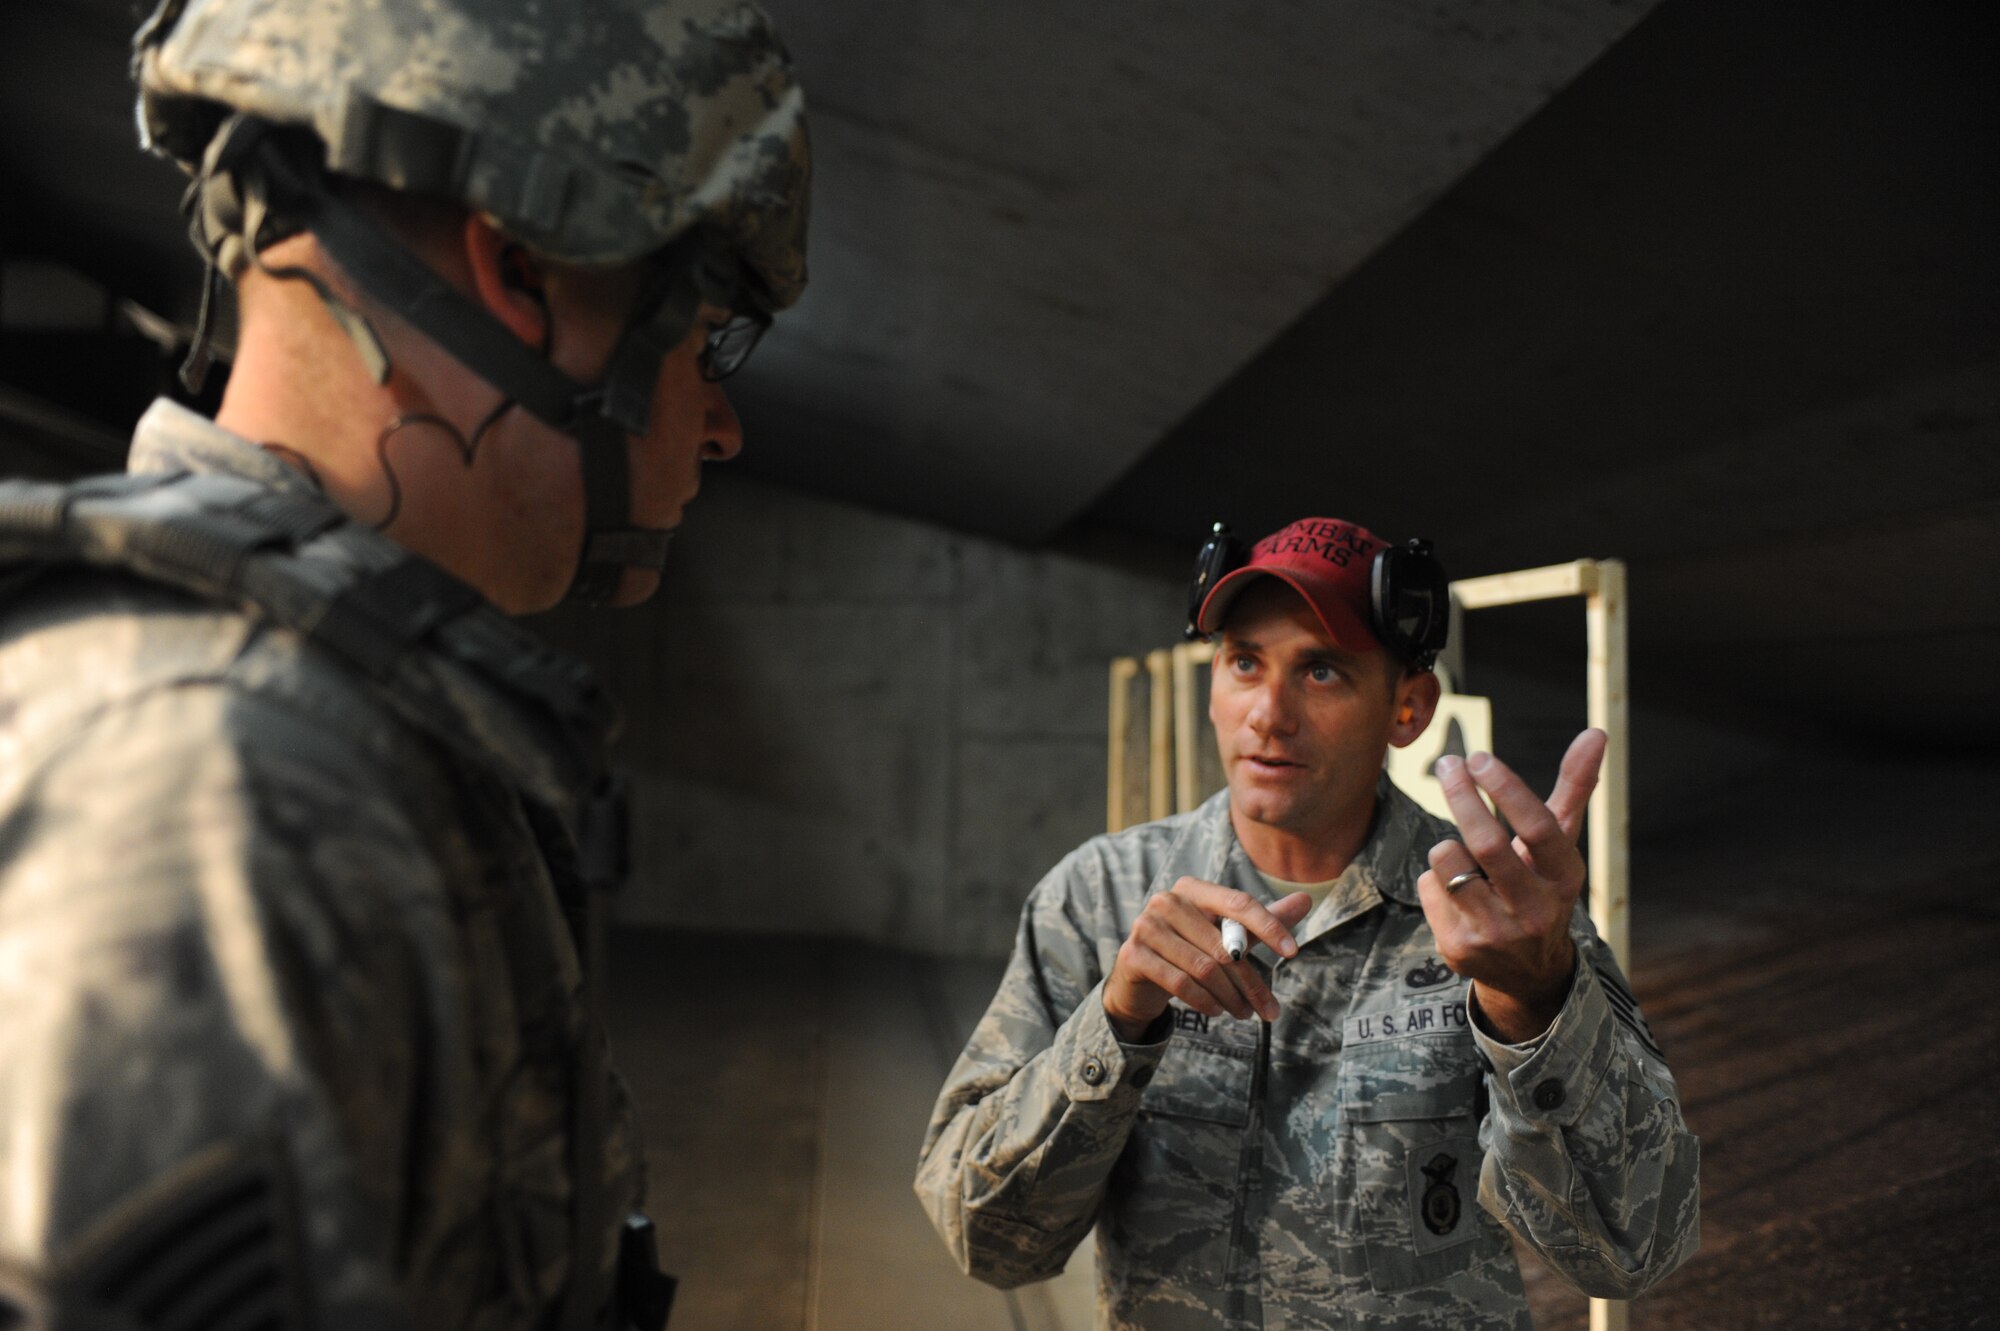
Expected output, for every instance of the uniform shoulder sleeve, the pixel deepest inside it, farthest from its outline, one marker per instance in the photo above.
(214, 1023)
(1037, 1109)
(1588, 1158)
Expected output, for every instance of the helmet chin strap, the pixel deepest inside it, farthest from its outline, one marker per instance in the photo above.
(599, 418)
(611, 544)
(621, 407)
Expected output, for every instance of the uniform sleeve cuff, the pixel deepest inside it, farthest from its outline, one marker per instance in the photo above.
(1096, 1064)
(1548, 1079)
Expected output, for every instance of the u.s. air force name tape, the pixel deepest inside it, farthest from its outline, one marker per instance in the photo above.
(1438, 1016)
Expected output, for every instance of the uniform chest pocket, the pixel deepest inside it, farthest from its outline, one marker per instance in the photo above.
(1206, 1075)
(1176, 1187)
(1410, 1145)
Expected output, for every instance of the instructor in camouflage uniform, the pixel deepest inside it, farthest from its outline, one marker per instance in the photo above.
(1426, 1048)
(299, 836)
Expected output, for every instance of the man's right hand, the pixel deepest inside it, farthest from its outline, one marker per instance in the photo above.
(1175, 951)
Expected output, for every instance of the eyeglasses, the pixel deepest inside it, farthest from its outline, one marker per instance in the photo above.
(728, 348)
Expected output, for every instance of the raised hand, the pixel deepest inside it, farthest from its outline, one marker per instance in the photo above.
(1505, 926)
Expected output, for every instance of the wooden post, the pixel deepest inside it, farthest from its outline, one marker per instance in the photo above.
(1184, 735)
(1159, 772)
(1188, 737)
(1123, 671)
(1610, 806)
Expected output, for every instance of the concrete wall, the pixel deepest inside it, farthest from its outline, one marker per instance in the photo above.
(849, 724)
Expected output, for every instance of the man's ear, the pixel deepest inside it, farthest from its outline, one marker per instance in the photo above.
(1416, 701)
(508, 281)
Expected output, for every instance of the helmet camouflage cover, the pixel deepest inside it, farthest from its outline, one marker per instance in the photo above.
(592, 131)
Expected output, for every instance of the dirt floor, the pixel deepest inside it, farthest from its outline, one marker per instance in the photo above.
(1843, 1079)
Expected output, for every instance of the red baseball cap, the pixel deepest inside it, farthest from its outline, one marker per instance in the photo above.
(1325, 560)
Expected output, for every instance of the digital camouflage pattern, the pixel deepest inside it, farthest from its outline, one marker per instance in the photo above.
(259, 935)
(597, 130)
(1322, 1171)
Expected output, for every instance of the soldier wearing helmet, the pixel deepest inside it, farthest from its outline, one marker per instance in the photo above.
(303, 837)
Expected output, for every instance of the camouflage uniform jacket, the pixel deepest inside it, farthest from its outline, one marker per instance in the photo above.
(292, 1014)
(1318, 1172)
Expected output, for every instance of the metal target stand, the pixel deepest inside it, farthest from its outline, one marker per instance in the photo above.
(1174, 735)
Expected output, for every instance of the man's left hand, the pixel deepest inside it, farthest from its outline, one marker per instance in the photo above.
(1508, 929)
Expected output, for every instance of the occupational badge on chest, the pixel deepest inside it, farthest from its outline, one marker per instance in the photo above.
(1429, 975)
(1441, 1177)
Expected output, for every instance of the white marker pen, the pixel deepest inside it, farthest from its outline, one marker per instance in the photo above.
(1233, 941)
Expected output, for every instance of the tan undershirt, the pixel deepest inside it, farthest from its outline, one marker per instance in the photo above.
(1280, 888)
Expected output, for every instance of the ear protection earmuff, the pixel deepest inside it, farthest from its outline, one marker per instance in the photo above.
(1408, 593)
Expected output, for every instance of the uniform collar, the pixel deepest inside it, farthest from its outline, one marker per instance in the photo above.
(1392, 842)
(170, 437)
(494, 692)
(1380, 869)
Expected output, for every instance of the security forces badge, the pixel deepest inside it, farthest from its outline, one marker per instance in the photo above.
(1443, 1176)
(1440, 1206)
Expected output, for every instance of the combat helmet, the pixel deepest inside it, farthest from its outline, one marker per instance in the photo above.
(593, 132)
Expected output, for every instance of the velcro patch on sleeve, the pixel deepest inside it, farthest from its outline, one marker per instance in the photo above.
(210, 1245)
(1626, 1008)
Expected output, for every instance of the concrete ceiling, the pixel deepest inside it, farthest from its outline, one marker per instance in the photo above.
(1044, 232)
(1729, 308)
(1710, 286)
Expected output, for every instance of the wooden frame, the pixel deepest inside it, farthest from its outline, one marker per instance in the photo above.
(1187, 730)
(1601, 582)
